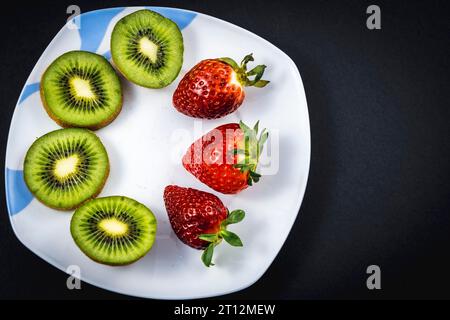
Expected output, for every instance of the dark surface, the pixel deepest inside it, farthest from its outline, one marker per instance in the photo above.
(379, 188)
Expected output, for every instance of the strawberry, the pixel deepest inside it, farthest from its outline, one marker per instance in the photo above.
(226, 158)
(215, 87)
(200, 219)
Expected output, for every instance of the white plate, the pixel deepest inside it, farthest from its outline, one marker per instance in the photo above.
(145, 151)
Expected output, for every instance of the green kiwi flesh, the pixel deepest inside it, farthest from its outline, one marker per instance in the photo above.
(114, 230)
(81, 89)
(147, 48)
(66, 167)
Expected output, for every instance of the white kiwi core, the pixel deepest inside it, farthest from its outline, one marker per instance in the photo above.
(82, 88)
(113, 227)
(66, 167)
(149, 49)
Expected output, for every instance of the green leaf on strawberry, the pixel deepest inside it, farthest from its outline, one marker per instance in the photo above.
(242, 73)
(250, 150)
(235, 216)
(209, 237)
(215, 238)
(207, 255)
(232, 238)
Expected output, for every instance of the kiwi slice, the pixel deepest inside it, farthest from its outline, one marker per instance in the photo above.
(114, 230)
(81, 89)
(66, 167)
(147, 48)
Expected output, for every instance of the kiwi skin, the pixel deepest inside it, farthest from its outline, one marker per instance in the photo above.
(113, 264)
(68, 125)
(102, 185)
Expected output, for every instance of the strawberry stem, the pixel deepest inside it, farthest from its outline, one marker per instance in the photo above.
(243, 74)
(251, 151)
(215, 238)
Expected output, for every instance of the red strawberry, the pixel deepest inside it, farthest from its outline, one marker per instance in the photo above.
(200, 219)
(226, 158)
(215, 87)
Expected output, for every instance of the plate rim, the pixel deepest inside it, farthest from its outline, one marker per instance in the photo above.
(300, 199)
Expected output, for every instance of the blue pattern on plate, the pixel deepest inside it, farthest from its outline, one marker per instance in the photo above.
(181, 17)
(92, 30)
(28, 91)
(93, 27)
(17, 194)
(107, 55)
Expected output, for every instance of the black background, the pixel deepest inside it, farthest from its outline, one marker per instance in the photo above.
(379, 188)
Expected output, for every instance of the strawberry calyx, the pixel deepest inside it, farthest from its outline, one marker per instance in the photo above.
(242, 73)
(249, 151)
(216, 238)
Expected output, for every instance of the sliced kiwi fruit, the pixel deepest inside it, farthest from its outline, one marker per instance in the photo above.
(147, 48)
(114, 230)
(66, 167)
(81, 89)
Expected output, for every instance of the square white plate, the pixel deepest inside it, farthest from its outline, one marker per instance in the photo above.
(145, 144)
